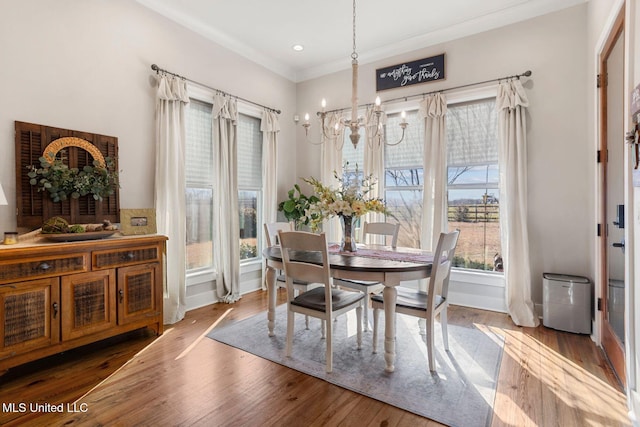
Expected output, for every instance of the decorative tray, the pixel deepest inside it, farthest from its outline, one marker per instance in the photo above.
(75, 237)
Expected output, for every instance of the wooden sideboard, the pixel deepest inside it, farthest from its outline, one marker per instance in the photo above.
(57, 296)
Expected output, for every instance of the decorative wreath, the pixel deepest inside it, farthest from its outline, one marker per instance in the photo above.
(61, 182)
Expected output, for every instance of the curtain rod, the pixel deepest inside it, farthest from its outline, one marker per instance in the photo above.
(527, 73)
(157, 69)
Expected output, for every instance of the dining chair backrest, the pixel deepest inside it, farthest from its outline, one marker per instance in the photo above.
(295, 269)
(271, 231)
(381, 229)
(442, 262)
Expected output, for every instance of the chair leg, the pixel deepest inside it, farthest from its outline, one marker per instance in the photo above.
(289, 333)
(359, 318)
(429, 337)
(367, 298)
(376, 316)
(306, 318)
(443, 324)
(329, 353)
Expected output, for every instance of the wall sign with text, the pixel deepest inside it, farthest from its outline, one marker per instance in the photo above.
(410, 73)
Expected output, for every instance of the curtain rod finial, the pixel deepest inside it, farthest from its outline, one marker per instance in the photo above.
(527, 73)
(154, 67)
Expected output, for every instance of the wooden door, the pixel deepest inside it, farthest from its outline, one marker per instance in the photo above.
(139, 292)
(88, 303)
(611, 157)
(29, 316)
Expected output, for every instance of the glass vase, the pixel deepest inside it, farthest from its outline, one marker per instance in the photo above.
(348, 242)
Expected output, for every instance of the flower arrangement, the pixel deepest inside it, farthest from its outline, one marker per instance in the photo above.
(350, 199)
(60, 181)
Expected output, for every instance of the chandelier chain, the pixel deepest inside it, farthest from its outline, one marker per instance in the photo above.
(354, 54)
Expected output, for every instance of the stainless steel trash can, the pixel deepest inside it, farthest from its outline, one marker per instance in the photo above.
(566, 303)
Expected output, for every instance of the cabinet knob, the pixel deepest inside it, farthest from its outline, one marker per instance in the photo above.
(55, 309)
(121, 293)
(43, 266)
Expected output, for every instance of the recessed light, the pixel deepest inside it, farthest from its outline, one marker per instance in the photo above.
(297, 47)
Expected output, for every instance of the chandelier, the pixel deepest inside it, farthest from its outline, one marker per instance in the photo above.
(355, 123)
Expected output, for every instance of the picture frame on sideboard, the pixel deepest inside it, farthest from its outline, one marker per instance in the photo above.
(137, 221)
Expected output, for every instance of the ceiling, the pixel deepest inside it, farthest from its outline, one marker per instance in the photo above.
(265, 30)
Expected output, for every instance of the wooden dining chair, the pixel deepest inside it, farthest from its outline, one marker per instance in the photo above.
(426, 305)
(271, 230)
(369, 229)
(324, 302)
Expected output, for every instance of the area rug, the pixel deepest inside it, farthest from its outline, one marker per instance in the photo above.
(461, 393)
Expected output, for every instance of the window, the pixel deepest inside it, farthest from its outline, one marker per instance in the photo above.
(403, 179)
(200, 186)
(472, 182)
(199, 191)
(249, 185)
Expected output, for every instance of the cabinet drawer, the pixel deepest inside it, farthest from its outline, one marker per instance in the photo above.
(125, 256)
(46, 266)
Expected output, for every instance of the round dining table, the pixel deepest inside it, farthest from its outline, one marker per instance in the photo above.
(375, 263)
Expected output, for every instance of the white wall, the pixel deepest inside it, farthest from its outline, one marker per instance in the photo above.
(560, 156)
(85, 65)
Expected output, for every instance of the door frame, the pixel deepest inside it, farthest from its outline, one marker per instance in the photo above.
(611, 344)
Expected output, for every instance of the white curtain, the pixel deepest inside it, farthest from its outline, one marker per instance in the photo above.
(434, 219)
(270, 126)
(331, 162)
(511, 104)
(374, 156)
(171, 101)
(225, 205)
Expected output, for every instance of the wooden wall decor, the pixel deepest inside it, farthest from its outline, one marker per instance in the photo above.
(34, 207)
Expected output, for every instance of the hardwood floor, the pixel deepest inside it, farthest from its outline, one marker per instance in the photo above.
(547, 378)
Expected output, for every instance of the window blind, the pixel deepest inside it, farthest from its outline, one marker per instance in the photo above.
(472, 134)
(249, 152)
(407, 154)
(199, 150)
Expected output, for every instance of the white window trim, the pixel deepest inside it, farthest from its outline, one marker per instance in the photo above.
(480, 277)
(205, 275)
(254, 264)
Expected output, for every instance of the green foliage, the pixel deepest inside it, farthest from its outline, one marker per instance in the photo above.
(55, 224)
(248, 251)
(76, 228)
(295, 207)
(62, 182)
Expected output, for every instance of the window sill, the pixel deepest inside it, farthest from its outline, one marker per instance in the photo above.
(487, 278)
(249, 266)
(201, 276)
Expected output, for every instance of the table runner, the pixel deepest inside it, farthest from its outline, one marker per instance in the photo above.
(392, 255)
